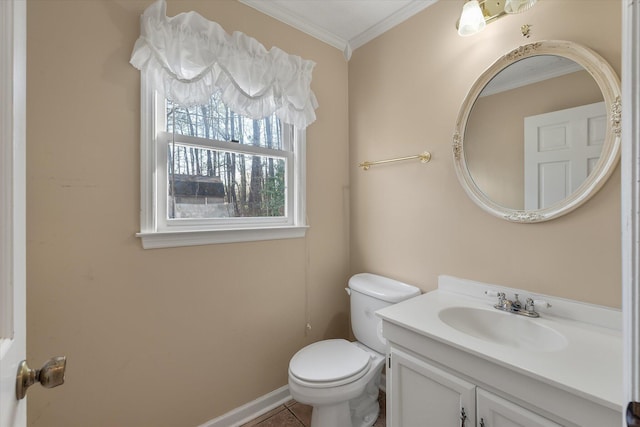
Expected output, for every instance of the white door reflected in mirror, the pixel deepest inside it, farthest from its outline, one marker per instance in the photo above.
(561, 149)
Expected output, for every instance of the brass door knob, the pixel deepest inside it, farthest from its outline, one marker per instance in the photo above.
(50, 375)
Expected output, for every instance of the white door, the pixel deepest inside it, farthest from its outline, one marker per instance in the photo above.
(424, 395)
(631, 204)
(12, 207)
(561, 149)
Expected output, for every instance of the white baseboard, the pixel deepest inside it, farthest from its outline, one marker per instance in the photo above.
(251, 410)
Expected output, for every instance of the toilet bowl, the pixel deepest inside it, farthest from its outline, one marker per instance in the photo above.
(342, 387)
(338, 378)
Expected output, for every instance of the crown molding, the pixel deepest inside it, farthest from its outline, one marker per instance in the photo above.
(346, 46)
(389, 22)
(283, 15)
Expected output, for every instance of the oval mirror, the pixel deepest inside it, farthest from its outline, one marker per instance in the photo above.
(538, 133)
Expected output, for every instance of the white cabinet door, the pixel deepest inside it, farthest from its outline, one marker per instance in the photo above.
(494, 411)
(425, 396)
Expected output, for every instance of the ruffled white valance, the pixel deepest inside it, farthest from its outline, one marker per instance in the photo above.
(191, 58)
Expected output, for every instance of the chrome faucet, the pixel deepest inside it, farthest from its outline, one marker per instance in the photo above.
(515, 306)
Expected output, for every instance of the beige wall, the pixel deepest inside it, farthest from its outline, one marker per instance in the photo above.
(412, 221)
(165, 337)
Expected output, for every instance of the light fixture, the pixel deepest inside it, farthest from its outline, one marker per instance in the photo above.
(477, 13)
(518, 6)
(472, 19)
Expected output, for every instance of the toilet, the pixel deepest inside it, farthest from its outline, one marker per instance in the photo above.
(339, 378)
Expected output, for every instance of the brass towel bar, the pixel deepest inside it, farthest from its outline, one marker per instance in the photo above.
(423, 157)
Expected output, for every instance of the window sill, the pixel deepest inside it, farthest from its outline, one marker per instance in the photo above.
(173, 239)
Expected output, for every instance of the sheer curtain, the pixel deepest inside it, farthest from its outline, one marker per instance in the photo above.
(191, 58)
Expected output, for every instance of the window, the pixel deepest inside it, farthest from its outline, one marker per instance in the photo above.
(224, 165)
(215, 176)
(230, 167)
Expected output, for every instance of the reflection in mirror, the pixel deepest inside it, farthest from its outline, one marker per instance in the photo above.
(538, 133)
(543, 97)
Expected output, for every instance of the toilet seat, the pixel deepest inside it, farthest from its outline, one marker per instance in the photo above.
(329, 363)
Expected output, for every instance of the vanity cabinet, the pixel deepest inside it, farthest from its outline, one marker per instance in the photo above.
(450, 350)
(421, 394)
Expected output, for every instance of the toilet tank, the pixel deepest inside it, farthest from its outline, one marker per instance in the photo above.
(369, 293)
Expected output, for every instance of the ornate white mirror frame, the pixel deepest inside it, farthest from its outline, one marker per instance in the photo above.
(609, 84)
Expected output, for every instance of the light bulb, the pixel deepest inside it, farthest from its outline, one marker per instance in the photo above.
(471, 19)
(517, 6)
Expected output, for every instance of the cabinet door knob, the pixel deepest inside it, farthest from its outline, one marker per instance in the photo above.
(463, 417)
(633, 414)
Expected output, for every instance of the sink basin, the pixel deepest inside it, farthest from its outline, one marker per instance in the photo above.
(503, 328)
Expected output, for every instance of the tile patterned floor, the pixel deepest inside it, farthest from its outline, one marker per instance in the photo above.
(294, 414)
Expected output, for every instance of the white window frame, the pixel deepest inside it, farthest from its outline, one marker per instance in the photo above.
(156, 231)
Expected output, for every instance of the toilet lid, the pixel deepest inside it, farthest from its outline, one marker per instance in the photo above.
(329, 360)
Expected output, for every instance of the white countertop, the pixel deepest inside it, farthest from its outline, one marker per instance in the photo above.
(590, 365)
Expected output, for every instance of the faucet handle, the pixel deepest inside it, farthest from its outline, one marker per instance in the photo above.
(501, 295)
(531, 304)
(541, 303)
(503, 302)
